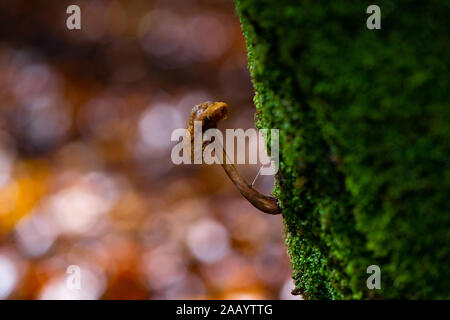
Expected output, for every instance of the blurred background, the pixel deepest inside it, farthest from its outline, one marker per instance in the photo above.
(85, 172)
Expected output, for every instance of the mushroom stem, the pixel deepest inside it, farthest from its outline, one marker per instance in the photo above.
(260, 201)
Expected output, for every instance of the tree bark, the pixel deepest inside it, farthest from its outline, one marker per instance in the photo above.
(364, 140)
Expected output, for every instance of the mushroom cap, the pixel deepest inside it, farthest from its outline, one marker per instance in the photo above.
(209, 114)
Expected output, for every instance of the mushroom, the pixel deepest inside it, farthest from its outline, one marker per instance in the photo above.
(209, 114)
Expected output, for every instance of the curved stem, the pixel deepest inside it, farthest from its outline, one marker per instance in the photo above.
(264, 203)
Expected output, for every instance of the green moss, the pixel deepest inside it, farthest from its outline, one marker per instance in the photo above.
(364, 140)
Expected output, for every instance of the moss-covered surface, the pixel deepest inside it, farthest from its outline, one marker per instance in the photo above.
(364, 142)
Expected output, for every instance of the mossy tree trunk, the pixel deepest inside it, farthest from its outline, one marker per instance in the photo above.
(364, 121)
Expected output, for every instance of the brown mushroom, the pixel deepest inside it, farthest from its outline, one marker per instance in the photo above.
(209, 114)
